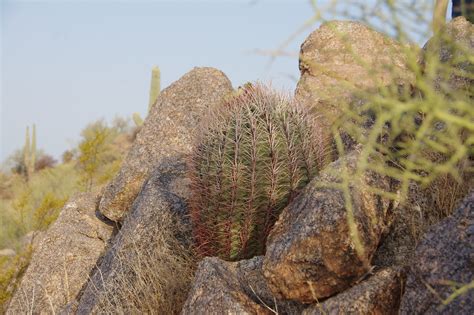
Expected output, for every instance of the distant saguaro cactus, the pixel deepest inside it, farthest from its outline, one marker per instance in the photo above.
(253, 156)
(137, 119)
(29, 152)
(154, 86)
(154, 92)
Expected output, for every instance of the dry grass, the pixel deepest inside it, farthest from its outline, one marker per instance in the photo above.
(438, 200)
(152, 278)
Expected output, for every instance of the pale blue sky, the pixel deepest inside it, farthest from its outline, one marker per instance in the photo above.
(67, 63)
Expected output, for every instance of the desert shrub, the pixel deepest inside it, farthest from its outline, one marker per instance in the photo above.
(45, 161)
(101, 151)
(12, 269)
(424, 130)
(67, 156)
(36, 203)
(253, 156)
(47, 211)
(151, 278)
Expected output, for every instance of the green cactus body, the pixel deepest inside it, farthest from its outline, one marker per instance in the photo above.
(137, 119)
(33, 150)
(154, 86)
(29, 152)
(26, 153)
(253, 156)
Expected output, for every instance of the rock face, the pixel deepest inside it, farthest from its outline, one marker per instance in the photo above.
(398, 245)
(63, 259)
(454, 46)
(152, 246)
(310, 253)
(342, 57)
(222, 287)
(380, 294)
(167, 132)
(445, 255)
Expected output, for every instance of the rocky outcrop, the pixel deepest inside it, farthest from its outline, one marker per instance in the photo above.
(310, 253)
(443, 263)
(167, 132)
(151, 247)
(222, 287)
(398, 245)
(341, 58)
(453, 47)
(379, 294)
(63, 258)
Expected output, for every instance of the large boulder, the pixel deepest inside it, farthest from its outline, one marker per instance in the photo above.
(168, 131)
(63, 258)
(149, 267)
(342, 58)
(222, 287)
(310, 252)
(443, 263)
(380, 294)
(452, 48)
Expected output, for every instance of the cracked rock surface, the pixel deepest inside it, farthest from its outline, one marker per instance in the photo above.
(222, 287)
(379, 294)
(310, 253)
(444, 262)
(167, 132)
(160, 205)
(63, 259)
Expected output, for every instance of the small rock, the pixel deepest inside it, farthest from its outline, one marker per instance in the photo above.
(222, 287)
(63, 259)
(310, 253)
(380, 294)
(168, 131)
(443, 262)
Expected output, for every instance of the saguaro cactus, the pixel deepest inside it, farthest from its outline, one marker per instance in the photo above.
(29, 152)
(154, 86)
(253, 156)
(154, 92)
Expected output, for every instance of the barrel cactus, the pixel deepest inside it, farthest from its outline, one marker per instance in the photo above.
(252, 157)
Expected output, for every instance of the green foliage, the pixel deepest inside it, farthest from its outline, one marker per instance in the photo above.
(12, 269)
(424, 130)
(34, 204)
(253, 156)
(47, 212)
(67, 156)
(95, 153)
(17, 212)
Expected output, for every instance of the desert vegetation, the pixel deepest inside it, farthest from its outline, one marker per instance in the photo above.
(35, 188)
(258, 156)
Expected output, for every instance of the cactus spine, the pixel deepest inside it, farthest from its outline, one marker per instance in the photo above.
(29, 152)
(253, 156)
